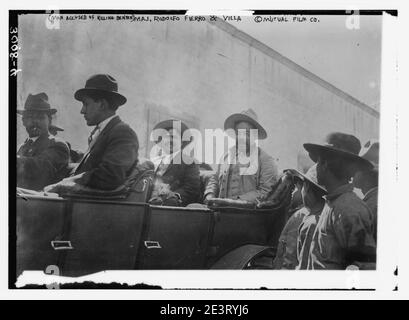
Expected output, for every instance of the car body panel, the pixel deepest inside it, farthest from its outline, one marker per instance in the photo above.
(182, 235)
(104, 236)
(95, 235)
(39, 221)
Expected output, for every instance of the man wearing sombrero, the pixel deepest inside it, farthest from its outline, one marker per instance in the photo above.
(295, 239)
(112, 145)
(367, 180)
(41, 159)
(343, 234)
(231, 179)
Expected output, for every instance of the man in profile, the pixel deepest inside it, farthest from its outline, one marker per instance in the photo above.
(294, 240)
(343, 234)
(112, 145)
(42, 159)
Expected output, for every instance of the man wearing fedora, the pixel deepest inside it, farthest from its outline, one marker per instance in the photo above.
(343, 235)
(112, 145)
(231, 179)
(295, 239)
(41, 159)
(177, 180)
(367, 180)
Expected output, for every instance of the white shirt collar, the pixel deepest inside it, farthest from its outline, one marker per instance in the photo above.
(104, 123)
(34, 139)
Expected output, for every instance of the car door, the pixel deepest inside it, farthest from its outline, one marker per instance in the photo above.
(177, 238)
(39, 225)
(104, 235)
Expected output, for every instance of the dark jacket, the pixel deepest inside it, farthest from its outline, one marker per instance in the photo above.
(286, 257)
(111, 159)
(371, 200)
(42, 162)
(182, 178)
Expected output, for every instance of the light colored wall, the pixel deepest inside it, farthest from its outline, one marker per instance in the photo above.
(201, 72)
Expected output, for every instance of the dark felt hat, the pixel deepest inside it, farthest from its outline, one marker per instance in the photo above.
(37, 103)
(172, 124)
(248, 116)
(104, 84)
(338, 144)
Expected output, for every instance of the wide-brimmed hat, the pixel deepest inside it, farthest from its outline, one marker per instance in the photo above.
(339, 144)
(101, 83)
(37, 103)
(310, 176)
(370, 152)
(248, 116)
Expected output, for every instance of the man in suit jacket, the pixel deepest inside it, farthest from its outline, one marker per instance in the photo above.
(177, 180)
(113, 146)
(41, 159)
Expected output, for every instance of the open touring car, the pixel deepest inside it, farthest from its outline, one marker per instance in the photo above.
(118, 230)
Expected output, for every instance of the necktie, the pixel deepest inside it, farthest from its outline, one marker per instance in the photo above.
(91, 139)
(91, 136)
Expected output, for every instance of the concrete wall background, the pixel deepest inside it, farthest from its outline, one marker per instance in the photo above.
(199, 72)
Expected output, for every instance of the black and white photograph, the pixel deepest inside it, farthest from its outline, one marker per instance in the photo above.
(155, 146)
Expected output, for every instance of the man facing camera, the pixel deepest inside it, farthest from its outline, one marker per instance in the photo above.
(177, 179)
(245, 181)
(41, 159)
(112, 145)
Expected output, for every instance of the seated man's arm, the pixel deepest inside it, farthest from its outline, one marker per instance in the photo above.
(46, 165)
(267, 178)
(116, 164)
(212, 187)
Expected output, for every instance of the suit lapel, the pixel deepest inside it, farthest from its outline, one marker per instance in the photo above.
(22, 149)
(100, 138)
(30, 151)
(104, 131)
